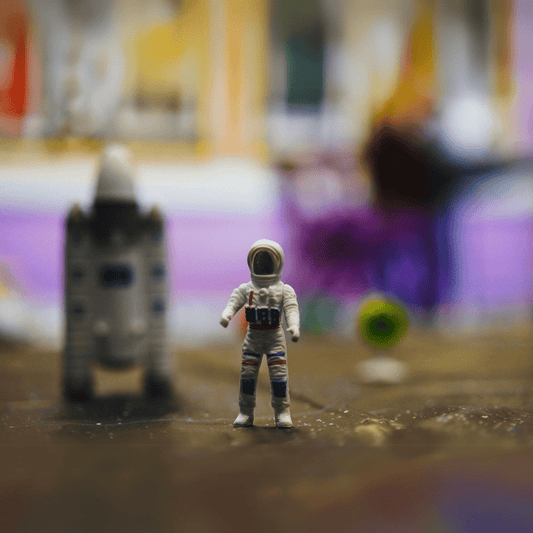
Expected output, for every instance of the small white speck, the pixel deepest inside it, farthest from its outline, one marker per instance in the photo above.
(345, 411)
(98, 423)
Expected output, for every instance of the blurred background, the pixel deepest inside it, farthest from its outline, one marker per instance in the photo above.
(386, 145)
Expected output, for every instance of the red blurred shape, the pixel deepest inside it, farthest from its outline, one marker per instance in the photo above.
(13, 61)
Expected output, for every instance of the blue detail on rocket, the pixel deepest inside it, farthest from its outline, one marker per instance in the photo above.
(158, 307)
(112, 276)
(77, 274)
(158, 271)
(77, 310)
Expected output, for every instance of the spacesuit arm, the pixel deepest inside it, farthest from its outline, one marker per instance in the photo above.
(236, 301)
(292, 313)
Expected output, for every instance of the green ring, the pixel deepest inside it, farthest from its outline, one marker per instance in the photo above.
(382, 324)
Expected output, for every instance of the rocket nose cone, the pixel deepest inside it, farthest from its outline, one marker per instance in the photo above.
(115, 179)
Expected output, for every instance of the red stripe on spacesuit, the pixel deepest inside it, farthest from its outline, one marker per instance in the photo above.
(278, 362)
(251, 363)
(263, 326)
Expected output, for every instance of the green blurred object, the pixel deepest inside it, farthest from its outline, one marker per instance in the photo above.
(305, 69)
(382, 323)
(318, 314)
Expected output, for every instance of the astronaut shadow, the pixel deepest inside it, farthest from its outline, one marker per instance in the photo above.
(121, 408)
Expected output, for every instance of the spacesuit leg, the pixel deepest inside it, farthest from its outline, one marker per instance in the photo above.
(251, 363)
(279, 387)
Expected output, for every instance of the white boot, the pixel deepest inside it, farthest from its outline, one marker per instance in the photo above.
(244, 419)
(283, 417)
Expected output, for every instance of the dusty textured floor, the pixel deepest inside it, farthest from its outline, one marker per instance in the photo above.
(451, 449)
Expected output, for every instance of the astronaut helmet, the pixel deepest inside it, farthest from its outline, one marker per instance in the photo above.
(265, 260)
(115, 179)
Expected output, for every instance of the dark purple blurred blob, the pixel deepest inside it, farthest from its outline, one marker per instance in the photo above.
(353, 252)
(404, 243)
(474, 494)
(485, 505)
(398, 246)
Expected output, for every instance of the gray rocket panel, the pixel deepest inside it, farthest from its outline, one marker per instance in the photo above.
(157, 293)
(79, 286)
(120, 317)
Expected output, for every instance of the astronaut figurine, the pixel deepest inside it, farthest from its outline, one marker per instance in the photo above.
(115, 285)
(266, 299)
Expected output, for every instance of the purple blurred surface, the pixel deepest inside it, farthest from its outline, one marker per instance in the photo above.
(342, 251)
(31, 247)
(207, 252)
(495, 262)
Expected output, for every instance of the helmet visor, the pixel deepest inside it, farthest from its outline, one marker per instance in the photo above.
(263, 263)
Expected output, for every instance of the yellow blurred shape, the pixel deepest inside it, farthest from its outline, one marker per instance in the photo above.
(173, 58)
(414, 95)
(128, 381)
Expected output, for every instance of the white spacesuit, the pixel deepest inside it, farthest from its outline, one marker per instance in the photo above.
(266, 299)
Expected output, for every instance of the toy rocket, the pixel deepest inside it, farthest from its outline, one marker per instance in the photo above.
(115, 285)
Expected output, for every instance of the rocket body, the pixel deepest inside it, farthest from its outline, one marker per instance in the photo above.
(115, 284)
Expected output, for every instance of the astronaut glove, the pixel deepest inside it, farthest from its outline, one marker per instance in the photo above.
(295, 332)
(224, 319)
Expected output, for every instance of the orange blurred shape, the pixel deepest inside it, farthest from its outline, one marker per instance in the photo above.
(242, 325)
(414, 96)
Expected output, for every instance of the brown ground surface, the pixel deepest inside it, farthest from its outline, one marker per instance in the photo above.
(451, 449)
